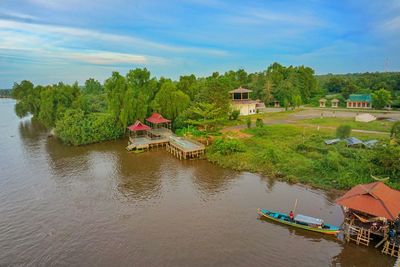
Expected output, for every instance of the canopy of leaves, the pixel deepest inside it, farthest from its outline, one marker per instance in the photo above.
(76, 128)
(381, 98)
(343, 131)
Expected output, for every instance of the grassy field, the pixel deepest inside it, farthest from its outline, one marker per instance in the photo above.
(297, 153)
(378, 125)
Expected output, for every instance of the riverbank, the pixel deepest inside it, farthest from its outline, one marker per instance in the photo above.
(295, 151)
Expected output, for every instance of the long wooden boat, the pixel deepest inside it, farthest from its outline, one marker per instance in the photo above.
(301, 221)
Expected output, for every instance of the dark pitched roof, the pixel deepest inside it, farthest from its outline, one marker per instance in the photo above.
(240, 90)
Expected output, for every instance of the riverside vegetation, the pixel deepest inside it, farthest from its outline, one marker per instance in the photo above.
(199, 107)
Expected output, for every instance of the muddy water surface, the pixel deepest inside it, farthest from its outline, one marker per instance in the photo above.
(98, 205)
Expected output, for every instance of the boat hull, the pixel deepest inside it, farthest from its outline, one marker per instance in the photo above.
(328, 230)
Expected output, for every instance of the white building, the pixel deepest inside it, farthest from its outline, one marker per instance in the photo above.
(241, 101)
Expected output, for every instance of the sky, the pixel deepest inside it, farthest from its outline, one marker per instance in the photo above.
(47, 41)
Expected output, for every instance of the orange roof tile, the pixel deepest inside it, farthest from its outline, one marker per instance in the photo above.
(376, 199)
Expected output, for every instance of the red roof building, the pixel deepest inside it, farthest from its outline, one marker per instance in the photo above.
(376, 199)
(138, 126)
(156, 118)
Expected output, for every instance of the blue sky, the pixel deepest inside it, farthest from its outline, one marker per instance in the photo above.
(47, 41)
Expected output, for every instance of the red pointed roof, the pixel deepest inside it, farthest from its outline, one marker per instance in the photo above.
(138, 126)
(156, 118)
(376, 199)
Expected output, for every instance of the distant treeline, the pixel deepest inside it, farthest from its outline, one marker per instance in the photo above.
(97, 111)
(369, 82)
(5, 93)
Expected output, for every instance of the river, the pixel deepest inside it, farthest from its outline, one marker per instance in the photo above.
(99, 205)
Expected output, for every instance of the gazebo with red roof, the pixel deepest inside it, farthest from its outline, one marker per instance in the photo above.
(139, 127)
(157, 120)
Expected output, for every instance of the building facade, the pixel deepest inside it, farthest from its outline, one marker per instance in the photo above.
(240, 100)
(335, 103)
(359, 101)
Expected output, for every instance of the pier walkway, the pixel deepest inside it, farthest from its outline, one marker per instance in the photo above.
(180, 147)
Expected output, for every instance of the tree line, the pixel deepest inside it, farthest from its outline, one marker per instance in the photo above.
(383, 86)
(5, 93)
(95, 111)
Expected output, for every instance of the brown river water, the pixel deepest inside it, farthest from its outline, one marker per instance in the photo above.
(98, 205)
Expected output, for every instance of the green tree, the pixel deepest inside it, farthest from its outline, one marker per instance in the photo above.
(343, 131)
(296, 101)
(170, 101)
(116, 90)
(259, 123)
(92, 86)
(205, 115)
(188, 85)
(381, 98)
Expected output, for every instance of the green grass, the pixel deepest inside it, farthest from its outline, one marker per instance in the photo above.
(377, 125)
(298, 154)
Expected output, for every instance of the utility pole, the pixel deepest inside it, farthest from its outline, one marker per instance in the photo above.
(386, 64)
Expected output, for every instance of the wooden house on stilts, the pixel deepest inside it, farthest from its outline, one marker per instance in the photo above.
(372, 212)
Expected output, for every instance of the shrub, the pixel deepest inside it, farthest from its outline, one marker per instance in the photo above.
(76, 128)
(259, 123)
(234, 115)
(343, 131)
(271, 154)
(395, 131)
(226, 147)
(260, 131)
(190, 130)
(248, 122)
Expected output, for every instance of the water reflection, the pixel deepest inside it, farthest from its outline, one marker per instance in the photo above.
(210, 181)
(99, 205)
(67, 162)
(309, 235)
(353, 255)
(139, 175)
(31, 135)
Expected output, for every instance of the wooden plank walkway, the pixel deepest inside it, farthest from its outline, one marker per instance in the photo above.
(183, 148)
(180, 147)
(144, 143)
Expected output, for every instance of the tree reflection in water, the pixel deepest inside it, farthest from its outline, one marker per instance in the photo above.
(139, 175)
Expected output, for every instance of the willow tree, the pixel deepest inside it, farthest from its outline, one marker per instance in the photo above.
(116, 89)
(170, 101)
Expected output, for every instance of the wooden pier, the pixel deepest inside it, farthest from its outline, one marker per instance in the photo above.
(144, 143)
(180, 147)
(183, 148)
(146, 137)
(392, 249)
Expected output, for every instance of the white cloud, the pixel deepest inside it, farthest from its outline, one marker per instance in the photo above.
(16, 15)
(60, 32)
(263, 17)
(392, 24)
(111, 58)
